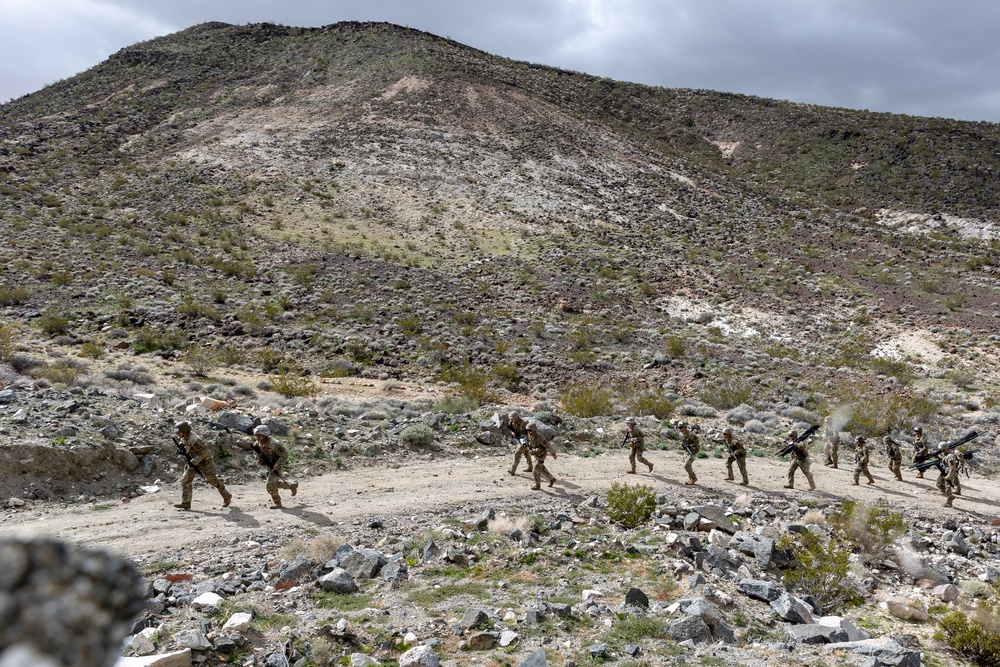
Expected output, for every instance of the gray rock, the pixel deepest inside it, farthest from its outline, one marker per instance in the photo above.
(812, 633)
(508, 638)
(473, 619)
(597, 650)
(851, 632)
(236, 422)
(457, 556)
(395, 570)
(886, 651)
(691, 628)
(792, 609)
(945, 592)
(192, 639)
(536, 659)
(636, 598)
(752, 544)
(488, 438)
(419, 656)
(533, 617)
(175, 659)
(759, 590)
(109, 430)
(6, 397)
(277, 428)
(430, 551)
(692, 521)
(482, 523)
(717, 515)
(338, 581)
(482, 641)
(363, 563)
(560, 609)
(959, 545)
(299, 569)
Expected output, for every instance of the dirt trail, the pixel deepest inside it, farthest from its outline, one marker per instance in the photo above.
(150, 523)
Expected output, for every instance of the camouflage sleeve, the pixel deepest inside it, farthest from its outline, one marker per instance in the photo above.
(281, 454)
(197, 450)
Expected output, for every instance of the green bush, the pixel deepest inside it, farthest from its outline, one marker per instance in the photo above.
(291, 383)
(148, 339)
(473, 382)
(822, 570)
(727, 393)
(201, 360)
(977, 638)
(6, 342)
(631, 506)
(13, 296)
(870, 529)
(455, 405)
(653, 402)
(676, 347)
(53, 323)
(588, 400)
(418, 435)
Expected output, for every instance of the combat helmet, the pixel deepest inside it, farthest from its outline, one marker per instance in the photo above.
(183, 427)
(262, 430)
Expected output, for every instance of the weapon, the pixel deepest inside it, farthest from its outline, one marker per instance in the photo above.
(943, 448)
(184, 453)
(805, 434)
(264, 461)
(687, 447)
(624, 440)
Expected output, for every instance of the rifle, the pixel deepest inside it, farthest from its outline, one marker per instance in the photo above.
(182, 451)
(266, 462)
(933, 461)
(943, 448)
(732, 452)
(805, 434)
(624, 440)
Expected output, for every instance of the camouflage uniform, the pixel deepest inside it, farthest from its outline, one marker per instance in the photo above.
(277, 457)
(919, 448)
(516, 429)
(861, 458)
(800, 461)
(950, 478)
(832, 446)
(737, 455)
(539, 448)
(895, 454)
(202, 458)
(691, 447)
(636, 440)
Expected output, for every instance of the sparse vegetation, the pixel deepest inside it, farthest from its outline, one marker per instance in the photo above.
(631, 506)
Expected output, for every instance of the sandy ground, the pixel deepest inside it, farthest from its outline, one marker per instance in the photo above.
(151, 523)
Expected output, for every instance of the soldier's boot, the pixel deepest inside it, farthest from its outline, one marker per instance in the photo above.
(920, 475)
(294, 488)
(650, 467)
(812, 486)
(854, 483)
(512, 471)
(691, 481)
(730, 478)
(947, 503)
(529, 469)
(789, 486)
(631, 472)
(276, 502)
(899, 477)
(183, 506)
(552, 482)
(536, 487)
(745, 482)
(226, 498)
(871, 481)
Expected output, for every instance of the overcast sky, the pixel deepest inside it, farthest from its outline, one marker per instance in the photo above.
(919, 57)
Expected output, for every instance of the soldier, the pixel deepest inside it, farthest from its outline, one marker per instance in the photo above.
(832, 443)
(199, 459)
(539, 447)
(861, 458)
(515, 428)
(689, 441)
(737, 454)
(273, 456)
(800, 461)
(895, 454)
(919, 447)
(636, 440)
(950, 478)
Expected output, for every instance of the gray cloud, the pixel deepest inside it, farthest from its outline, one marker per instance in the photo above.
(919, 57)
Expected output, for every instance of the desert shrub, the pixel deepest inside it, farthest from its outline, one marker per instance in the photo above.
(741, 414)
(455, 405)
(963, 378)
(6, 342)
(92, 349)
(252, 319)
(64, 372)
(823, 571)
(148, 339)
(13, 296)
(588, 400)
(726, 393)
(473, 382)
(869, 528)
(875, 414)
(418, 435)
(291, 383)
(59, 278)
(507, 374)
(53, 323)
(653, 402)
(269, 359)
(200, 360)
(631, 506)
(129, 375)
(22, 363)
(676, 347)
(191, 307)
(975, 637)
(230, 355)
(340, 368)
(897, 368)
(409, 325)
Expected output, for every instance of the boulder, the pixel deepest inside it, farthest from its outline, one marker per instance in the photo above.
(717, 515)
(474, 618)
(752, 544)
(691, 628)
(206, 600)
(636, 598)
(946, 592)
(482, 641)
(852, 632)
(884, 650)
(792, 609)
(395, 570)
(338, 581)
(175, 659)
(192, 639)
(419, 656)
(363, 563)
(488, 438)
(238, 623)
(813, 633)
(906, 610)
(759, 589)
(236, 422)
(536, 659)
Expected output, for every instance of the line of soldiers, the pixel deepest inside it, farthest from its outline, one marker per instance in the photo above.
(270, 453)
(532, 445)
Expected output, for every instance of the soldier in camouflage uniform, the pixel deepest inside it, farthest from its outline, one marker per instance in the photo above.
(800, 461)
(636, 440)
(919, 447)
(277, 457)
(895, 455)
(950, 481)
(200, 461)
(689, 441)
(539, 448)
(832, 443)
(516, 429)
(737, 455)
(862, 456)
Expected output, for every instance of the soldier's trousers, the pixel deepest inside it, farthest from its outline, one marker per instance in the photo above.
(894, 468)
(541, 471)
(689, 467)
(636, 454)
(804, 467)
(522, 450)
(273, 484)
(208, 470)
(948, 491)
(831, 455)
(742, 463)
(862, 469)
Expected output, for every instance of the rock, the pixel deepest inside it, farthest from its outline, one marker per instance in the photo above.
(560, 609)
(6, 397)
(362, 660)
(536, 659)
(457, 556)
(886, 651)
(430, 551)
(694, 521)
(238, 623)
(690, 628)
(109, 430)
(395, 570)
(792, 609)
(488, 438)
(717, 515)
(903, 609)
(474, 618)
(508, 638)
(192, 639)
(235, 421)
(958, 545)
(636, 598)
(852, 632)
(533, 617)
(419, 656)
(482, 641)
(277, 428)
(597, 650)
(482, 523)
(759, 590)
(175, 659)
(946, 592)
(813, 633)
(338, 581)
(206, 600)
(363, 563)
(752, 544)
